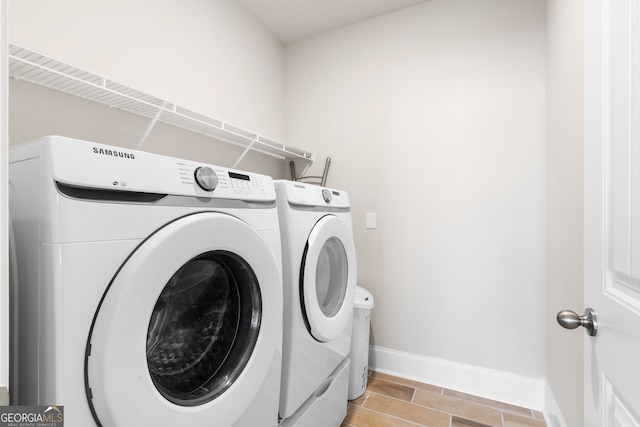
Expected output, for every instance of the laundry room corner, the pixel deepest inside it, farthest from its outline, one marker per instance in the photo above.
(436, 116)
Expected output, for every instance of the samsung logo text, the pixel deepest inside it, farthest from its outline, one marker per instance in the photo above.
(113, 153)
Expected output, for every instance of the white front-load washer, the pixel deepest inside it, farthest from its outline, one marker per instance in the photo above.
(319, 277)
(150, 287)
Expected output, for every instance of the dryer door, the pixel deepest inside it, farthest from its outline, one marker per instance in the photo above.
(328, 278)
(188, 327)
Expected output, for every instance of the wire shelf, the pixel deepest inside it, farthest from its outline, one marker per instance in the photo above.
(38, 68)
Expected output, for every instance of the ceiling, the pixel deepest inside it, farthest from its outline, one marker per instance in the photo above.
(293, 20)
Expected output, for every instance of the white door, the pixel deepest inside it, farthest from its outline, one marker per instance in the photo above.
(612, 211)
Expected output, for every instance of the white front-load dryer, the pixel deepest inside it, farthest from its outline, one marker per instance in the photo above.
(150, 288)
(319, 277)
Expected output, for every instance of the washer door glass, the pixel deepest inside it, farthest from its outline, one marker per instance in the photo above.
(203, 328)
(328, 279)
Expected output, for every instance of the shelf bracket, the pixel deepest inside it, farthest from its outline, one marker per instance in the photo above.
(153, 122)
(246, 150)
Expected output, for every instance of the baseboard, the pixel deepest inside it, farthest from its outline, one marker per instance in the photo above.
(552, 413)
(488, 383)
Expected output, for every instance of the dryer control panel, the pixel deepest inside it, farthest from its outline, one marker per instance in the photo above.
(312, 195)
(91, 165)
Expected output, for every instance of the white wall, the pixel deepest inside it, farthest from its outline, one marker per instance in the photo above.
(208, 56)
(565, 106)
(435, 118)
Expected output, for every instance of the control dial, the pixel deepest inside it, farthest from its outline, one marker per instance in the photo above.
(326, 195)
(206, 178)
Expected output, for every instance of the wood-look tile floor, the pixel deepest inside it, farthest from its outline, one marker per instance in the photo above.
(396, 402)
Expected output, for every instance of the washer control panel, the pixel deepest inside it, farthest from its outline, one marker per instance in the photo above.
(86, 164)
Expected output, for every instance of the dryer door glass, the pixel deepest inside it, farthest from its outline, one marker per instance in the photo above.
(328, 278)
(203, 328)
(331, 277)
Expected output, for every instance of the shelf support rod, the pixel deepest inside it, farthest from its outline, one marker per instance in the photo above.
(153, 122)
(246, 150)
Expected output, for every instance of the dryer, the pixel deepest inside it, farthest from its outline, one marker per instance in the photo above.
(150, 287)
(319, 277)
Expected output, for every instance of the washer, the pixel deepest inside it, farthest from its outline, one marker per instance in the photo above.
(319, 277)
(150, 287)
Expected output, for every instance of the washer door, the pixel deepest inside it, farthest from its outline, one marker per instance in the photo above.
(188, 327)
(328, 279)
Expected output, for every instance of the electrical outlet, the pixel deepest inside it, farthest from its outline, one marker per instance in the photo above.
(370, 220)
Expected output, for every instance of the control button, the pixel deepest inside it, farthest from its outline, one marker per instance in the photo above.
(326, 195)
(206, 178)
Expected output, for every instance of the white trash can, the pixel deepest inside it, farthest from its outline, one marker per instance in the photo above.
(362, 305)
